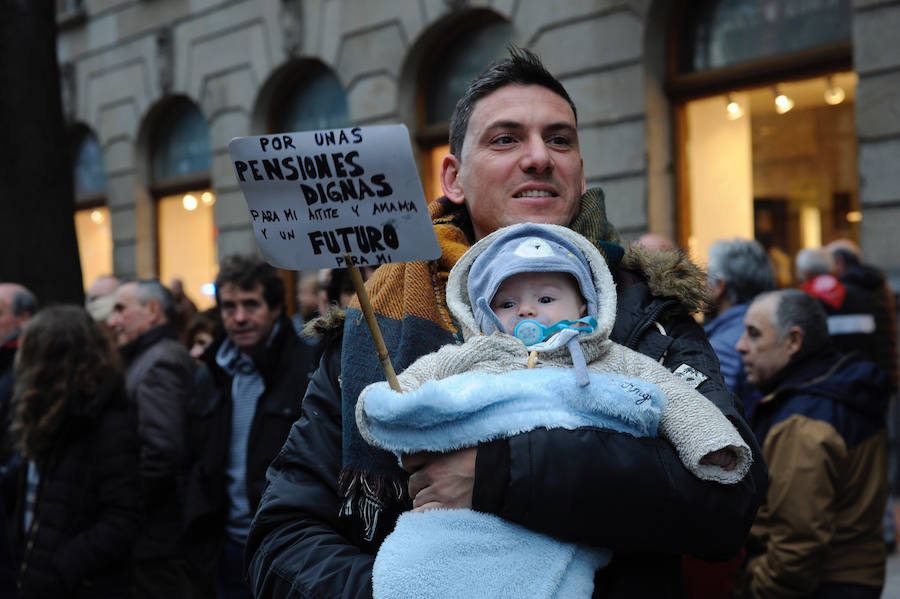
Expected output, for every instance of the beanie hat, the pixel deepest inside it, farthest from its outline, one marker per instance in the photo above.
(527, 247)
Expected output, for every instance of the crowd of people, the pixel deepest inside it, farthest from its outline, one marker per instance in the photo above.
(151, 450)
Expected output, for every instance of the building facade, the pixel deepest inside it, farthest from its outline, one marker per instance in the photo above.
(156, 89)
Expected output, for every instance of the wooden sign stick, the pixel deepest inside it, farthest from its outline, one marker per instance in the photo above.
(369, 313)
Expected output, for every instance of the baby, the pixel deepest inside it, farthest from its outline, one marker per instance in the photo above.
(533, 303)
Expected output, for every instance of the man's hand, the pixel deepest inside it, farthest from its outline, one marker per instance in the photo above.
(441, 480)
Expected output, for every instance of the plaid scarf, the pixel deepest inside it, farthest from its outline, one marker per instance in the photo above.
(410, 306)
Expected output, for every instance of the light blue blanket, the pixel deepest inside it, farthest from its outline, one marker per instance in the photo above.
(463, 553)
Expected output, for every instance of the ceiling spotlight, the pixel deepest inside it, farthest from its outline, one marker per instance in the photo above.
(189, 202)
(207, 198)
(96, 217)
(733, 108)
(783, 102)
(834, 94)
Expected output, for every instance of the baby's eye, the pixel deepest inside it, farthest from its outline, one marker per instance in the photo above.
(507, 305)
(546, 299)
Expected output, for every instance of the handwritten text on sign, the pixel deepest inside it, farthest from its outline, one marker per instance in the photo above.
(315, 196)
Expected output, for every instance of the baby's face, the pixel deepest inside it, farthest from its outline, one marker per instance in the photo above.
(546, 297)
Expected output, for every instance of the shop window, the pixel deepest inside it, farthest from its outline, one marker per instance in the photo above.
(182, 146)
(722, 33)
(187, 243)
(782, 171)
(186, 233)
(464, 58)
(94, 233)
(92, 226)
(465, 53)
(89, 175)
(316, 101)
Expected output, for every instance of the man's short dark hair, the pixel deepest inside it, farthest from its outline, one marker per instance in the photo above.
(795, 308)
(522, 68)
(744, 267)
(248, 270)
(23, 301)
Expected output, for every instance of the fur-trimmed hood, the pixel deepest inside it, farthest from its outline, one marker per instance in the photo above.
(327, 327)
(669, 273)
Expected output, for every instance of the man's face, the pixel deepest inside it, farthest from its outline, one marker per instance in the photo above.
(307, 300)
(762, 352)
(9, 322)
(130, 318)
(546, 297)
(247, 317)
(520, 161)
(199, 343)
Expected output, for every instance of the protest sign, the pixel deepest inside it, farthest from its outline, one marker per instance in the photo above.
(315, 197)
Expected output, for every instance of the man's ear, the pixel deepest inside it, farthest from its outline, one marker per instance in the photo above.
(450, 168)
(718, 289)
(156, 311)
(155, 308)
(794, 340)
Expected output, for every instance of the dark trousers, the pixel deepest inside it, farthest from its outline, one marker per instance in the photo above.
(231, 582)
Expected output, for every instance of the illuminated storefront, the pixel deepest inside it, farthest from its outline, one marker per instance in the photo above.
(186, 233)
(767, 136)
(92, 219)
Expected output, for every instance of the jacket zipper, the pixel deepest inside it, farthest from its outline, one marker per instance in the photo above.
(636, 335)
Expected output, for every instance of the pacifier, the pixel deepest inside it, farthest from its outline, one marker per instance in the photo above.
(531, 332)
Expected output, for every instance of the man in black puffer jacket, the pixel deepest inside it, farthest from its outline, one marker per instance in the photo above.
(332, 499)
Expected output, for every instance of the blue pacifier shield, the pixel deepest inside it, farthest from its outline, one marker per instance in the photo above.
(529, 332)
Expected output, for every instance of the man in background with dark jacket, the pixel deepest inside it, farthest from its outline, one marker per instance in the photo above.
(822, 429)
(248, 395)
(158, 376)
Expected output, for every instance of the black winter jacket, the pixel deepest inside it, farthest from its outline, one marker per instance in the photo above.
(87, 514)
(285, 366)
(594, 485)
(158, 379)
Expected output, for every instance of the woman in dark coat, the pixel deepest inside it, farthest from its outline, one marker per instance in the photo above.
(76, 517)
